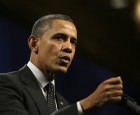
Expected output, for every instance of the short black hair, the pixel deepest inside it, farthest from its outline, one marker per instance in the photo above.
(45, 22)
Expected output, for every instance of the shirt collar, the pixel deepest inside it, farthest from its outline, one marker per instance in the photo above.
(38, 75)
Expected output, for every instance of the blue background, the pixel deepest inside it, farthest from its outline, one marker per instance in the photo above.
(82, 78)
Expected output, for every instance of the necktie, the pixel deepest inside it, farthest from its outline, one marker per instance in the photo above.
(51, 98)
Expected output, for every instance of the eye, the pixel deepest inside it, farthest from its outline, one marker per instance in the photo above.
(60, 37)
(74, 42)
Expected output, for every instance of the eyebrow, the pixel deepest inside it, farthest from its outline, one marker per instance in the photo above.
(65, 35)
(61, 34)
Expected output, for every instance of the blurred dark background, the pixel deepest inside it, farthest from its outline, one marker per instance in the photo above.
(108, 43)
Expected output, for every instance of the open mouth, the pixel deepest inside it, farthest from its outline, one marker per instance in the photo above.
(65, 59)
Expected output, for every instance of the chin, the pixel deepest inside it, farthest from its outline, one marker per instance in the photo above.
(62, 70)
(59, 69)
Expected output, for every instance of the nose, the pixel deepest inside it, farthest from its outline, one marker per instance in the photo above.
(67, 47)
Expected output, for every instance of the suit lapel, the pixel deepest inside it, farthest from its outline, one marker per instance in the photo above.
(61, 102)
(34, 90)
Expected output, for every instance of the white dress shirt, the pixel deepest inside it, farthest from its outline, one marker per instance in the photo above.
(42, 81)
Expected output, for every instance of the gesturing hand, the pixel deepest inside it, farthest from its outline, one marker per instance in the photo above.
(108, 91)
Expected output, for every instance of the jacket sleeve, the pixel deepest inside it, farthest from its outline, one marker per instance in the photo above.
(69, 110)
(11, 101)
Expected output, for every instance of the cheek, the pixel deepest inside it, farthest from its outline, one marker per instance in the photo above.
(53, 50)
(73, 53)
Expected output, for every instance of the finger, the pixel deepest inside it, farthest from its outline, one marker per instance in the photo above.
(114, 87)
(110, 94)
(119, 77)
(114, 96)
(115, 93)
(114, 80)
(115, 99)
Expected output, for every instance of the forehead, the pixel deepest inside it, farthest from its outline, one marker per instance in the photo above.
(62, 26)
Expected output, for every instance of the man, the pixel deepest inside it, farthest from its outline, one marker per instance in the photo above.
(52, 42)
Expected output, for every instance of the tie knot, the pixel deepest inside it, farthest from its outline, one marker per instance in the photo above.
(50, 90)
(50, 87)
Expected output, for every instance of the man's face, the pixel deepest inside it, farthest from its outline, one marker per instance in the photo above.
(56, 48)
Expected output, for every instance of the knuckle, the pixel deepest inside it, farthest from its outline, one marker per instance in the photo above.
(107, 94)
(106, 88)
(121, 86)
(119, 98)
(121, 92)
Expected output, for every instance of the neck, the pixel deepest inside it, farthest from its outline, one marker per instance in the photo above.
(49, 75)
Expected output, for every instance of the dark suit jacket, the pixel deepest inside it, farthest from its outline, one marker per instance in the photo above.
(20, 94)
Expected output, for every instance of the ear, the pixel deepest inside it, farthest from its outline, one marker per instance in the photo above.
(33, 43)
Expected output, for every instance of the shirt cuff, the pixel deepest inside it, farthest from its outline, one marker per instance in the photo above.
(80, 110)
